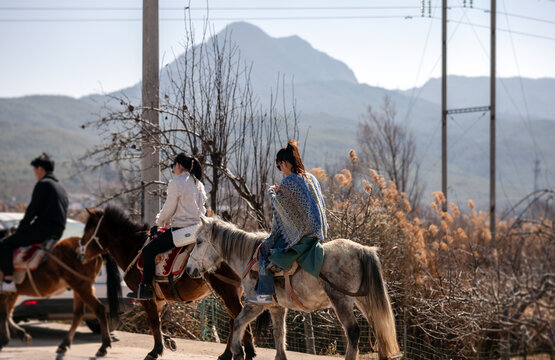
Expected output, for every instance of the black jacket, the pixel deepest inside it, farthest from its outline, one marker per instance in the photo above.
(48, 207)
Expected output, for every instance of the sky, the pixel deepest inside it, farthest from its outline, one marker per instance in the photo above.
(80, 47)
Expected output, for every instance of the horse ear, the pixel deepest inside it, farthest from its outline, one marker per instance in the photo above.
(203, 220)
(91, 212)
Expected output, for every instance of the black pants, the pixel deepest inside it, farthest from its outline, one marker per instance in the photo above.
(164, 242)
(23, 237)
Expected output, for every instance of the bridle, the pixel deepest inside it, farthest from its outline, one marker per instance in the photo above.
(83, 248)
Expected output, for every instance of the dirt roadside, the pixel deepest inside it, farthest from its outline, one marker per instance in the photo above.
(47, 336)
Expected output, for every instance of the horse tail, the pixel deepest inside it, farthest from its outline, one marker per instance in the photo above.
(113, 285)
(377, 304)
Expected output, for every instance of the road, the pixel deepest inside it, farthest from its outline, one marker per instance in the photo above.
(48, 335)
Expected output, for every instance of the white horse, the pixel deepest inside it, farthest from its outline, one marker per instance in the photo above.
(352, 274)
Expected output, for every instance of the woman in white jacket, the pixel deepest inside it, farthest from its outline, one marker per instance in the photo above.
(184, 205)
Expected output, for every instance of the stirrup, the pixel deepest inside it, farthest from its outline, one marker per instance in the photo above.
(144, 292)
(261, 299)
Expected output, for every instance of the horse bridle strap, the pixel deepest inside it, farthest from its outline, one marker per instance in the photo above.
(83, 248)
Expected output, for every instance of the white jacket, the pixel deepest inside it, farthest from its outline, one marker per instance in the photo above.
(184, 204)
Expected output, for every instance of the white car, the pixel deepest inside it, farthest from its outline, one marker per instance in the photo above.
(58, 307)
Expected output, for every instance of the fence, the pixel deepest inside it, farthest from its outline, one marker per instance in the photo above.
(320, 333)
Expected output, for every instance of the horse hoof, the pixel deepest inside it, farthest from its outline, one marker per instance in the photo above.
(101, 352)
(150, 357)
(169, 343)
(225, 356)
(250, 353)
(27, 339)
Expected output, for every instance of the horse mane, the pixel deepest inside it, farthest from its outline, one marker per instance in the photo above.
(235, 241)
(120, 223)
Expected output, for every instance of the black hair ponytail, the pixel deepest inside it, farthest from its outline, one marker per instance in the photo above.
(191, 164)
(291, 154)
(196, 169)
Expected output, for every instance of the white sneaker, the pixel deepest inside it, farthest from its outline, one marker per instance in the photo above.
(261, 299)
(8, 287)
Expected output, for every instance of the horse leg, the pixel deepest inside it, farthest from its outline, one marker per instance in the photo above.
(343, 306)
(232, 301)
(14, 329)
(4, 328)
(248, 314)
(169, 343)
(18, 331)
(152, 310)
(78, 312)
(87, 296)
(278, 321)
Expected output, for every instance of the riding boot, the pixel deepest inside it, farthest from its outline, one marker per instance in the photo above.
(144, 292)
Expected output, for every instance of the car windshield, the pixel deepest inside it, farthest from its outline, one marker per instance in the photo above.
(73, 228)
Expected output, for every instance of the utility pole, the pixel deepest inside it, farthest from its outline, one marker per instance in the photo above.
(492, 125)
(444, 101)
(491, 108)
(150, 162)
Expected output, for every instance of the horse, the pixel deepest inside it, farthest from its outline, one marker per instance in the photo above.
(111, 231)
(60, 270)
(351, 275)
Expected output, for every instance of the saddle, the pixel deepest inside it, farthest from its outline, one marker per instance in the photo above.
(170, 265)
(254, 267)
(29, 258)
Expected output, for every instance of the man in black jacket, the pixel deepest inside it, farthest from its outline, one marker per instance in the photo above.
(45, 217)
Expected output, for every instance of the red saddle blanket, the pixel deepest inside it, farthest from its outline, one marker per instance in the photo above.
(30, 257)
(170, 262)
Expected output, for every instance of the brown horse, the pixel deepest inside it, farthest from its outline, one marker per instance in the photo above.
(111, 231)
(60, 270)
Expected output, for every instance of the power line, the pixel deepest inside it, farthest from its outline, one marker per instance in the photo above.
(285, 8)
(353, 17)
(18, 8)
(518, 16)
(502, 30)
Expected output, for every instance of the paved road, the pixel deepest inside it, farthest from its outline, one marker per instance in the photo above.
(47, 336)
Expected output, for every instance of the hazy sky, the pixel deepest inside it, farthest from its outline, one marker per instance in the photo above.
(78, 47)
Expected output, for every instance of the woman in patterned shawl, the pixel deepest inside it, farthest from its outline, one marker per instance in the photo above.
(298, 225)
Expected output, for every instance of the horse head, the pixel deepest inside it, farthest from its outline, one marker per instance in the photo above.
(204, 258)
(89, 245)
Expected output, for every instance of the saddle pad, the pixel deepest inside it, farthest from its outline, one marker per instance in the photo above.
(30, 257)
(169, 262)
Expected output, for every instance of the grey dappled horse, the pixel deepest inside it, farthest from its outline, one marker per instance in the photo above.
(349, 267)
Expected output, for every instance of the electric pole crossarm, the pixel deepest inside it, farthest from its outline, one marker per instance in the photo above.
(468, 110)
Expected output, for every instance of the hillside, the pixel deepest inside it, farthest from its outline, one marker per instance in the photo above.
(330, 102)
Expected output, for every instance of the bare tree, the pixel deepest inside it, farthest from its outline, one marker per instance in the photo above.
(208, 109)
(390, 149)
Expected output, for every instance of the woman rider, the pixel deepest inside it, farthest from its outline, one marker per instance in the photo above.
(298, 225)
(184, 205)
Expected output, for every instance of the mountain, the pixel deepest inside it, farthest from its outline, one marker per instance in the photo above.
(330, 102)
(31, 125)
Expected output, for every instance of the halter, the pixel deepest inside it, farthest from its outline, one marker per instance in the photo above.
(83, 248)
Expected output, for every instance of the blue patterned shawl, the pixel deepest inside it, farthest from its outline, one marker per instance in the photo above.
(299, 210)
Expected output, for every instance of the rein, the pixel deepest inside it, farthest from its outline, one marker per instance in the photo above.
(254, 258)
(130, 266)
(64, 265)
(83, 248)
